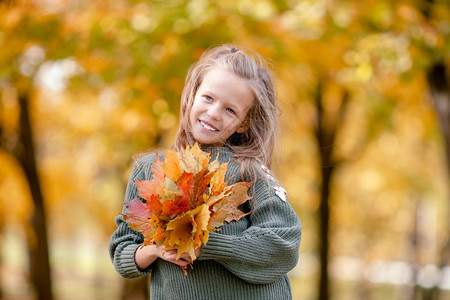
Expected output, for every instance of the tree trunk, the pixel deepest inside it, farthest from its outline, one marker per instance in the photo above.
(37, 235)
(440, 93)
(325, 147)
(325, 136)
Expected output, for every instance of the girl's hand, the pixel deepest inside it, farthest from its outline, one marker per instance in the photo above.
(146, 255)
(170, 254)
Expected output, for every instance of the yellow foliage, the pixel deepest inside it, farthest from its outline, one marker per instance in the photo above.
(377, 52)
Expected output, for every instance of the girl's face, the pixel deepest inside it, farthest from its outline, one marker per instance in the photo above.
(220, 107)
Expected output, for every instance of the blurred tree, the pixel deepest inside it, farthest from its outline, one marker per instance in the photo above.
(101, 81)
(106, 54)
(20, 144)
(375, 47)
(435, 14)
(327, 128)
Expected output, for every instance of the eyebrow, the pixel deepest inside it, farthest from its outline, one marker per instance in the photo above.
(209, 93)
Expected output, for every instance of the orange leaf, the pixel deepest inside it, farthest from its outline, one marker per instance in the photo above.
(231, 203)
(185, 184)
(217, 181)
(160, 233)
(172, 165)
(201, 234)
(157, 169)
(147, 188)
(202, 180)
(180, 233)
(172, 208)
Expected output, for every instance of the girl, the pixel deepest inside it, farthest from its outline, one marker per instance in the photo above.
(228, 106)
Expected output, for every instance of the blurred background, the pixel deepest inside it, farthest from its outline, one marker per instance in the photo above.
(363, 153)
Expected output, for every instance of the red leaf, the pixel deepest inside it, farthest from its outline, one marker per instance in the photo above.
(172, 208)
(139, 219)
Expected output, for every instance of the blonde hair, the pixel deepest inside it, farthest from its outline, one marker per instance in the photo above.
(258, 140)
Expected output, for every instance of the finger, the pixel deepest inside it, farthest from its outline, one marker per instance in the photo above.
(185, 256)
(171, 256)
(179, 261)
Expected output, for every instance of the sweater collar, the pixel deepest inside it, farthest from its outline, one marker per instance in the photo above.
(224, 153)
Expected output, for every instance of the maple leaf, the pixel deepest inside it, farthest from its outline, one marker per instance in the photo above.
(217, 216)
(170, 189)
(188, 162)
(154, 204)
(230, 203)
(172, 208)
(197, 152)
(180, 232)
(188, 231)
(139, 218)
(194, 160)
(157, 168)
(185, 184)
(203, 181)
(201, 234)
(218, 182)
(213, 166)
(187, 198)
(159, 235)
(171, 165)
(147, 188)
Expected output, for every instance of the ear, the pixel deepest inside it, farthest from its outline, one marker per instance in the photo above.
(244, 127)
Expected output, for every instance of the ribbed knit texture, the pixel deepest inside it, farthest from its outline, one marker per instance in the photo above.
(247, 259)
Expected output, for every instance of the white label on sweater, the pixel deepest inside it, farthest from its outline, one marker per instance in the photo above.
(267, 172)
(280, 192)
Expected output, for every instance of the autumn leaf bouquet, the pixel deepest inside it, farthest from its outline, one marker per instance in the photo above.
(186, 199)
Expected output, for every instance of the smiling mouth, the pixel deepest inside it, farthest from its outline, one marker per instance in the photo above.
(208, 127)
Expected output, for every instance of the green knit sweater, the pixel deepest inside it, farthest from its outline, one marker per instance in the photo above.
(247, 259)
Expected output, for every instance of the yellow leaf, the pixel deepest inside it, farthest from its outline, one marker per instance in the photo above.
(201, 234)
(194, 160)
(214, 165)
(172, 165)
(217, 181)
(180, 233)
(170, 189)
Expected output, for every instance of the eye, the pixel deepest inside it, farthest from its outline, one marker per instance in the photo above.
(231, 111)
(208, 98)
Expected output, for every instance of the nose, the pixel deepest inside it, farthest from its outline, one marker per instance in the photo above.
(214, 112)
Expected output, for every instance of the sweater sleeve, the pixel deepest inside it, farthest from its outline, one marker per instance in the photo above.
(268, 248)
(125, 241)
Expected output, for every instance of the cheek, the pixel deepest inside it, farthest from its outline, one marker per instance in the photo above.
(191, 117)
(233, 125)
(193, 111)
(195, 107)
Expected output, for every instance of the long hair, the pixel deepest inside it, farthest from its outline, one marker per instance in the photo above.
(258, 140)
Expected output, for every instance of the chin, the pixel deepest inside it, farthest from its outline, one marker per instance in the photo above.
(208, 142)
